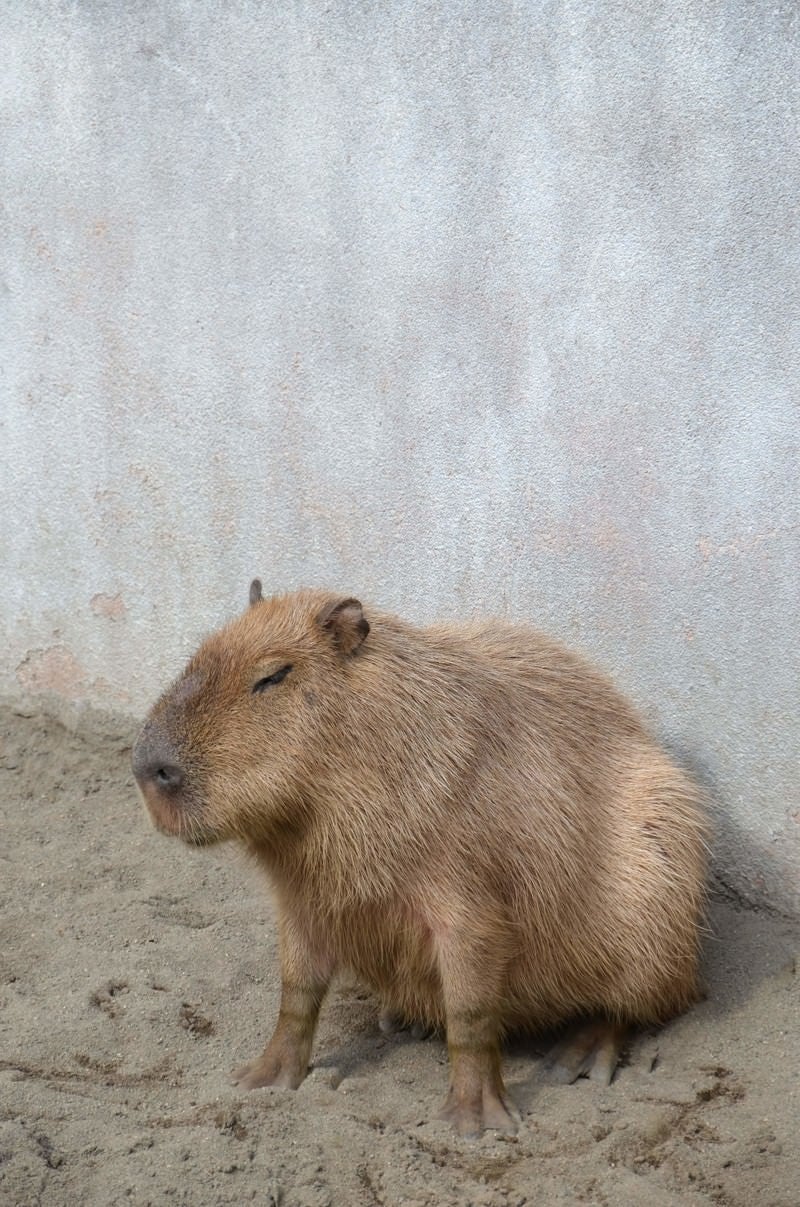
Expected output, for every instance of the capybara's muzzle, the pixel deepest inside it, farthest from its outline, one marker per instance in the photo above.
(160, 775)
(155, 763)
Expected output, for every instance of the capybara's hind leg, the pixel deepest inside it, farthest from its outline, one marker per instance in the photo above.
(390, 1023)
(593, 1050)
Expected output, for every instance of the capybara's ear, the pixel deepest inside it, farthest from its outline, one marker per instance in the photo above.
(255, 592)
(346, 622)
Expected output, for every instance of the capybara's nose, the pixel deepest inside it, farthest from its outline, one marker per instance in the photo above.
(154, 763)
(167, 777)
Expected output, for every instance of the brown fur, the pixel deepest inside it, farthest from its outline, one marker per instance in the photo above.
(469, 817)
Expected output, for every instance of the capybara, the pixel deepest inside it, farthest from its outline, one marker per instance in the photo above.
(468, 817)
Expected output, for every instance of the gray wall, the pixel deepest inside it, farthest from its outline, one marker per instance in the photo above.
(463, 307)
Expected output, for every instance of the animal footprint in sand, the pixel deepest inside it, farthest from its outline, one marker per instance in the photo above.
(106, 998)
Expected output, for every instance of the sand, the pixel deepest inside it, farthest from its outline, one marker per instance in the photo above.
(135, 973)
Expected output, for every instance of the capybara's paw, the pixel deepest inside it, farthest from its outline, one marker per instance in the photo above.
(390, 1023)
(472, 1116)
(593, 1051)
(268, 1070)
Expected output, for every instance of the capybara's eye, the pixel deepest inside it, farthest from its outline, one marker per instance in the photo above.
(271, 680)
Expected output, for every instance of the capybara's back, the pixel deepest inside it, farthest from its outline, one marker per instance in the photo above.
(470, 817)
(600, 838)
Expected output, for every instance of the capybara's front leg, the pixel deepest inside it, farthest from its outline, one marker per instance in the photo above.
(477, 1099)
(305, 976)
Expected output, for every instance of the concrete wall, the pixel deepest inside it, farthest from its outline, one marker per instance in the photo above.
(461, 307)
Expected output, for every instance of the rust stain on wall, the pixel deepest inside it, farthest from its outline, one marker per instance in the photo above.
(52, 670)
(111, 606)
(744, 543)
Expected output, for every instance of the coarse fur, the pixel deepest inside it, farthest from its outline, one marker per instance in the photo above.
(469, 817)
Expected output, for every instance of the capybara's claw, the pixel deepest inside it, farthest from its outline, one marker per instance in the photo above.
(592, 1051)
(390, 1023)
(266, 1072)
(472, 1117)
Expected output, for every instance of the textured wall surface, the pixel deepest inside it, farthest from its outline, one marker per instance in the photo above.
(462, 307)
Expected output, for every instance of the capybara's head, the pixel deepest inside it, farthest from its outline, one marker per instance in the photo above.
(228, 750)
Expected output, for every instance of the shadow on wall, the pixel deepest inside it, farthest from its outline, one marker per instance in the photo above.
(732, 846)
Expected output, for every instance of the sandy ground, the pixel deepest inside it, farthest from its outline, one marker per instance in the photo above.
(135, 973)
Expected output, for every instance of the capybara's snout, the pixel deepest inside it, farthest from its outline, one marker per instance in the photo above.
(156, 763)
(160, 775)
